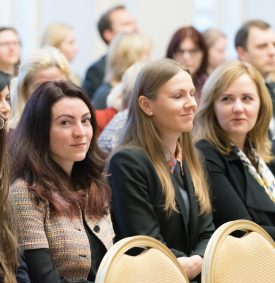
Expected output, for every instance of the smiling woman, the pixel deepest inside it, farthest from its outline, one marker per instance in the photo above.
(158, 185)
(59, 190)
(231, 125)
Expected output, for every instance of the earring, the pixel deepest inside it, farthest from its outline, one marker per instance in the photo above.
(150, 113)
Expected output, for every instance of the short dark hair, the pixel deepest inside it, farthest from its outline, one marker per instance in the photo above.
(31, 159)
(242, 34)
(104, 23)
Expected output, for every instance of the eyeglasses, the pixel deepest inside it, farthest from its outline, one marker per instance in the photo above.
(10, 43)
(192, 52)
(2, 122)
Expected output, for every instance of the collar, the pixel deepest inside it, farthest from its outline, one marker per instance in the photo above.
(172, 161)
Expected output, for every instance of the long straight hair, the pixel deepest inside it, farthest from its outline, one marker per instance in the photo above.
(141, 132)
(8, 243)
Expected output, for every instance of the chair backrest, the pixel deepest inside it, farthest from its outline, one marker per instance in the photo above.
(156, 263)
(248, 258)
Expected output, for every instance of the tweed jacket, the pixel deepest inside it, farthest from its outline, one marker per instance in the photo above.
(65, 238)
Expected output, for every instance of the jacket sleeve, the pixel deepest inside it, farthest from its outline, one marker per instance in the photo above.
(42, 270)
(132, 206)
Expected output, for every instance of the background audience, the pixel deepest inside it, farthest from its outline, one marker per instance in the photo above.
(115, 20)
(10, 47)
(46, 64)
(187, 46)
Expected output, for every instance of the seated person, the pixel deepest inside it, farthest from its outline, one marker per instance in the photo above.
(157, 181)
(58, 187)
(231, 126)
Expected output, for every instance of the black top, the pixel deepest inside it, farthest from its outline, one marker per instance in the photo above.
(41, 268)
(94, 76)
(236, 194)
(137, 205)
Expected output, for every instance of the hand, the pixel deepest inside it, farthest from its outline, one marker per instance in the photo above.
(191, 265)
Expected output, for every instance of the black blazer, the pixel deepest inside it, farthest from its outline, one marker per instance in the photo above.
(94, 77)
(236, 194)
(137, 205)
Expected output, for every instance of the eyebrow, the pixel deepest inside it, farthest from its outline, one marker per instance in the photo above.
(71, 116)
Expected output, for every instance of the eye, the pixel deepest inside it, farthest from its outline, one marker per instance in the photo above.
(65, 123)
(225, 98)
(86, 121)
(247, 98)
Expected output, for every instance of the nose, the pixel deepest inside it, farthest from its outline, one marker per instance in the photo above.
(271, 49)
(238, 106)
(191, 102)
(5, 108)
(78, 130)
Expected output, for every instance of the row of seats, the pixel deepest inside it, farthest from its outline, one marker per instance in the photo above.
(238, 252)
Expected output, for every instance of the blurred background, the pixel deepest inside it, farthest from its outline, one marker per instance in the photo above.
(157, 19)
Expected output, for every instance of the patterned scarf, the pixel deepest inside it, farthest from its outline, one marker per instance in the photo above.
(172, 161)
(263, 175)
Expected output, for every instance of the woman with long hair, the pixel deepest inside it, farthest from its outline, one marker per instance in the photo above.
(58, 189)
(8, 243)
(158, 184)
(231, 127)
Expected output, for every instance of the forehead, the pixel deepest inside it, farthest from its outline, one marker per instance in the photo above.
(72, 106)
(259, 36)
(187, 42)
(8, 34)
(180, 81)
(49, 74)
(120, 16)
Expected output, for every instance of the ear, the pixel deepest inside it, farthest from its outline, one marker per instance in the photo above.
(108, 35)
(242, 53)
(145, 105)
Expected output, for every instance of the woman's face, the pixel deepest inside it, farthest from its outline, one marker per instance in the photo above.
(70, 132)
(172, 111)
(43, 75)
(237, 109)
(4, 103)
(189, 55)
(217, 53)
(9, 48)
(69, 47)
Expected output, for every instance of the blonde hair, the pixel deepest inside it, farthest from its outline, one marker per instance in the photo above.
(44, 58)
(55, 34)
(150, 79)
(206, 125)
(211, 35)
(125, 50)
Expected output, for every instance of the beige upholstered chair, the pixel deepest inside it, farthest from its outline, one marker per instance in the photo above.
(246, 259)
(156, 264)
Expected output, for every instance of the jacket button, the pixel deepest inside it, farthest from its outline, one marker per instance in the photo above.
(96, 228)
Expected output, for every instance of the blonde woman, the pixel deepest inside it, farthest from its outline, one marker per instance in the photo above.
(157, 181)
(125, 50)
(232, 128)
(62, 36)
(46, 64)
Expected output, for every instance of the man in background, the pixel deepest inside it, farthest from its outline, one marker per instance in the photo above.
(115, 20)
(255, 44)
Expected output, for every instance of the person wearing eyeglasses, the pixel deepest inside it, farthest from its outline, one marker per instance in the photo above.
(10, 47)
(188, 47)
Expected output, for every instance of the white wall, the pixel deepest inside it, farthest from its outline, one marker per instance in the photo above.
(156, 18)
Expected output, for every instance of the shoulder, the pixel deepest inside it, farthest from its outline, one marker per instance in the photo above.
(98, 65)
(206, 148)
(19, 186)
(131, 153)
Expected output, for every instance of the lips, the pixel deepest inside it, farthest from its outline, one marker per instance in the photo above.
(79, 145)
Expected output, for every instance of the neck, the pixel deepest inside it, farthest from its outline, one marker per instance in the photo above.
(8, 69)
(171, 145)
(239, 142)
